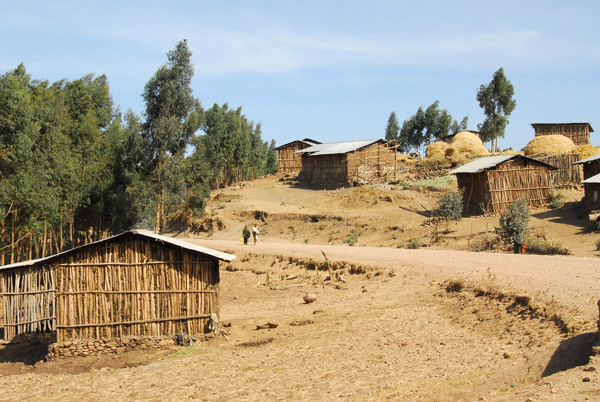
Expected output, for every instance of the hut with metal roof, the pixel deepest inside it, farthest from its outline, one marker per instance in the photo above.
(288, 160)
(492, 183)
(579, 133)
(591, 187)
(591, 182)
(338, 164)
(591, 166)
(134, 284)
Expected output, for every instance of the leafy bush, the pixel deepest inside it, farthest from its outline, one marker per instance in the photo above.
(557, 200)
(353, 238)
(542, 246)
(598, 245)
(449, 206)
(514, 220)
(412, 244)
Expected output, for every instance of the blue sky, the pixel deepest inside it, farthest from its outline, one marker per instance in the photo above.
(327, 70)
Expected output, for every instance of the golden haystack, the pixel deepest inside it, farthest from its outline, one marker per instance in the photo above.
(436, 148)
(587, 150)
(463, 144)
(549, 145)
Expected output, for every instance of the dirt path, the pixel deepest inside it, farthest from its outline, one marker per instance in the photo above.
(572, 281)
(389, 336)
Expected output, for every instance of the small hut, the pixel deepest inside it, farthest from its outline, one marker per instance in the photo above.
(288, 160)
(592, 191)
(591, 166)
(338, 164)
(134, 284)
(579, 133)
(492, 183)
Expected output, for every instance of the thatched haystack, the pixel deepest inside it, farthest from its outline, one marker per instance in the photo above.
(465, 144)
(587, 150)
(549, 145)
(435, 154)
(436, 148)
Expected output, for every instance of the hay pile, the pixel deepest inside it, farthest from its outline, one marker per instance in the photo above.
(511, 152)
(436, 148)
(587, 150)
(549, 145)
(465, 145)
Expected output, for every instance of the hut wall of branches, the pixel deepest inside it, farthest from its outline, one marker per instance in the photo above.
(579, 133)
(129, 285)
(374, 163)
(493, 190)
(566, 171)
(592, 194)
(591, 169)
(288, 161)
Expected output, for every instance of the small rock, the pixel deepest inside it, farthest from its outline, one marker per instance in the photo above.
(67, 344)
(309, 298)
(586, 379)
(112, 345)
(590, 368)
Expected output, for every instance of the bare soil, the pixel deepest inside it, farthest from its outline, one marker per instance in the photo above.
(434, 323)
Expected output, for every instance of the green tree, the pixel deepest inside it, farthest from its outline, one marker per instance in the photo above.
(515, 220)
(496, 100)
(172, 116)
(426, 126)
(393, 128)
(272, 158)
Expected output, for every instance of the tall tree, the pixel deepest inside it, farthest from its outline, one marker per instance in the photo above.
(393, 128)
(496, 100)
(172, 116)
(426, 126)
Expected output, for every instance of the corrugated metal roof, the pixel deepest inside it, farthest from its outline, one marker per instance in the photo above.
(333, 148)
(593, 179)
(483, 163)
(145, 233)
(488, 162)
(586, 160)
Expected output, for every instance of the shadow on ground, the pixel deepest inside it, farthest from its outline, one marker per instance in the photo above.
(572, 352)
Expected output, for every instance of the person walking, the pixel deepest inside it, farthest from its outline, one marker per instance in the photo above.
(246, 235)
(255, 233)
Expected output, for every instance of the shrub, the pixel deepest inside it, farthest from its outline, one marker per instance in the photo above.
(514, 220)
(353, 238)
(557, 200)
(598, 245)
(542, 246)
(449, 206)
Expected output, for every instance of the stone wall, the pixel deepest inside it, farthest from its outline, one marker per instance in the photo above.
(116, 346)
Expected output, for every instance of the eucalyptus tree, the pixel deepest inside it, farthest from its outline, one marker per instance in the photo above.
(172, 116)
(393, 128)
(496, 99)
(428, 125)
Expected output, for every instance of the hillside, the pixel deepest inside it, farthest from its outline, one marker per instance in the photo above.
(381, 216)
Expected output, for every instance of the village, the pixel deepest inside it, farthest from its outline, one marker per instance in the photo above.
(346, 248)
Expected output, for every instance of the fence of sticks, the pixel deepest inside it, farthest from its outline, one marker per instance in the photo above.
(129, 286)
(566, 171)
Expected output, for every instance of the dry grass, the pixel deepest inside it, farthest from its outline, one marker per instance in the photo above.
(549, 145)
(465, 144)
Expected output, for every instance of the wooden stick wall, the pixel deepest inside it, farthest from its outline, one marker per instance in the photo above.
(129, 287)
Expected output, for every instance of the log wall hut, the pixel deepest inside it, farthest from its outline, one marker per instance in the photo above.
(133, 284)
(492, 183)
(591, 187)
(579, 133)
(338, 164)
(567, 171)
(288, 160)
(591, 166)
(591, 182)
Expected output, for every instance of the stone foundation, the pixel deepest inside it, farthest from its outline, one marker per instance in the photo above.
(98, 347)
